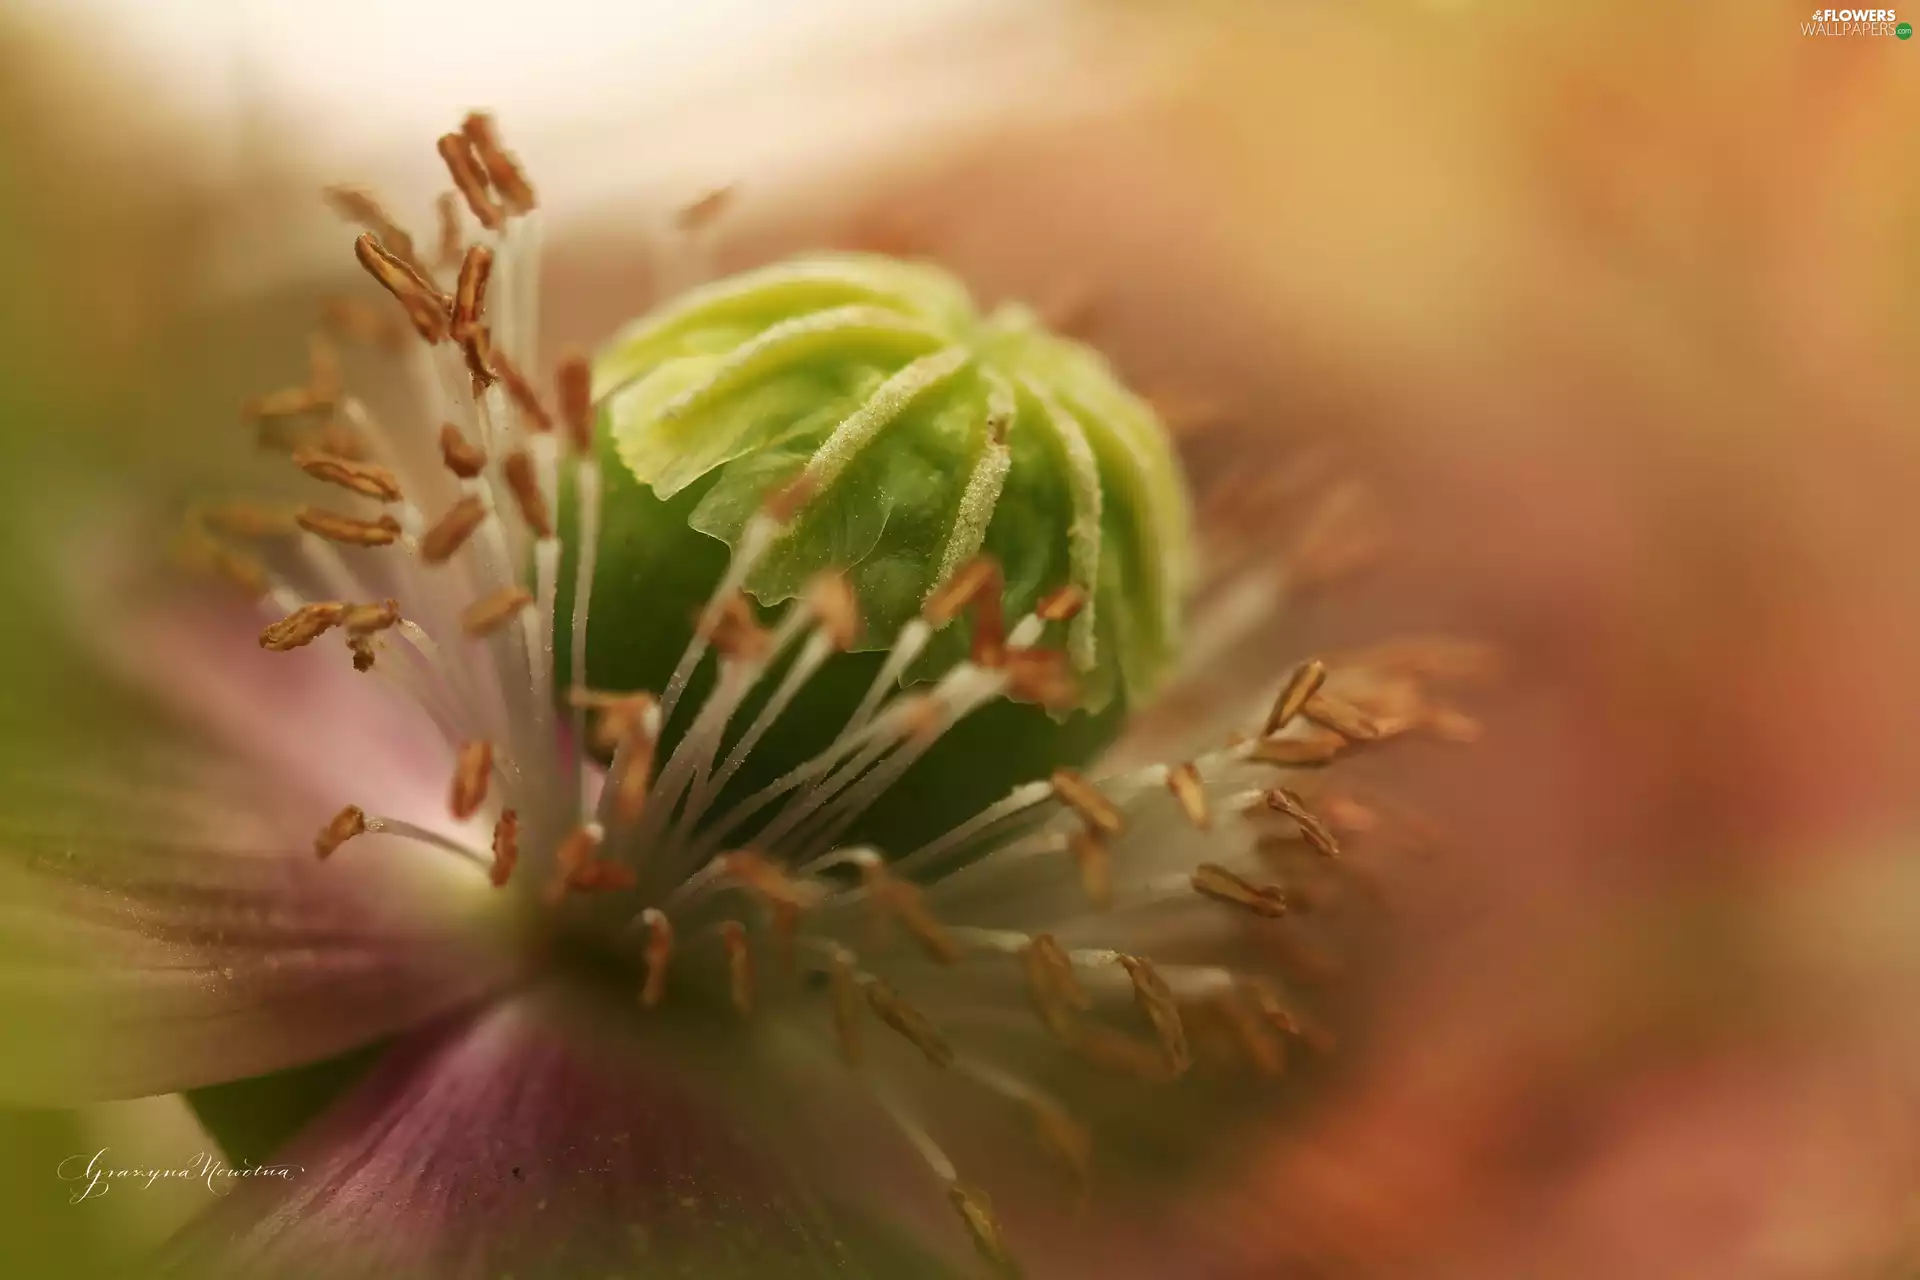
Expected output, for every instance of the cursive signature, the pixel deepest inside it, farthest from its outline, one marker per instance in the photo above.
(92, 1176)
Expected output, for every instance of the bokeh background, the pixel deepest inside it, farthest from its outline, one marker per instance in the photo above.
(1613, 305)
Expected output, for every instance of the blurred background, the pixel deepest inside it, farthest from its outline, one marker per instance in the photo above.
(1611, 306)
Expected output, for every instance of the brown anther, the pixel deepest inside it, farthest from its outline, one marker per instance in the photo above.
(351, 530)
(358, 205)
(829, 596)
(361, 647)
(1061, 605)
(636, 779)
(1307, 750)
(325, 378)
(768, 879)
(1128, 1055)
(244, 572)
(1301, 686)
(1191, 794)
(364, 478)
(1251, 1035)
(490, 613)
(901, 900)
(1346, 815)
(303, 626)
(247, 520)
(603, 875)
(844, 989)
(1222, 885)
(575, 852)
(469, 178)
(732, 629)
(477, 346)
(425, 306)
(1091, 855)
(446, 208)
(989, 622)
(1068, 1141)
(462, 457)
(451, 531)
(288, 402)
(1266, 1003)
(976, 1212)
(503, 169)
(1085, 799)
(1052, 984)
(356, 320)
(733, 936)
(1443, 659)
(912, 1025)
(659, 953)
(341, 440)
(521, 392)
(1150, 992)
(1043, 677)
(953, 596)
(364, 619)
(705, 209)
(1450, 724)
(786, 501)
(525, 487)
(1345, 719)
(344, 826)
(471, 772)
(573, 381)
(506, 848)
(1281, 800)
(470, 294)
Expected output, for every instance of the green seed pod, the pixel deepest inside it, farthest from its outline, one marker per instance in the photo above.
(924, 435)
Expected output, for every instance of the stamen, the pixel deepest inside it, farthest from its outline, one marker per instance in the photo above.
(350, 530)
(1344, 718)
(358, 205)
(1061, 605)
(470, 293)
(303, 626)
(845, 991)
(733, 936)
(1184, 781)
(469, 179)
(1284, 801)
(1085, 799)
(1043, 677)
(425, 306)
(470, 774)
(734, 631)
(574, 381)
(478, 348)
(446, 208)
(1090, 853)
(361, 647)
(356, 320)
(503, 169)
(248, 520)
(521, 392)
(506, 848)
(490, 613)
(768, 880)
(1052, 984)
(364, 478)
(976, 1211)
(1215, 881)
(968, 583)
(288, 402)
(465, 459)
(571, 860)
(902, 900)
(1150, 992)
(1301, 685)
(659, 953)
(1450, 724)
(525, 487)
(244, 572)
(344, 826)
(1308, 750)
(705, 209)
(912, 1025)
(1117, 1051)
(365, 619)
(451, 531)
(830, 598)
(1263, 1000)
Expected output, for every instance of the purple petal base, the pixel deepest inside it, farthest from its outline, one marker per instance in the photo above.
(517, 1143)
